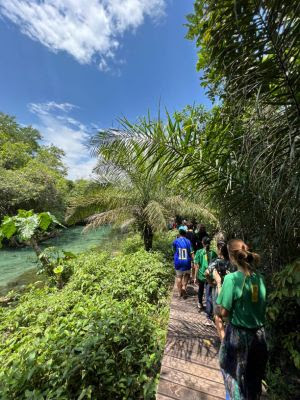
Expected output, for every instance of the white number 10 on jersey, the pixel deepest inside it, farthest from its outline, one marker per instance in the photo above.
(182, 254)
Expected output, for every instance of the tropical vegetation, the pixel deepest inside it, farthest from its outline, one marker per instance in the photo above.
(32, 176)
(235, 166)
(102, 336)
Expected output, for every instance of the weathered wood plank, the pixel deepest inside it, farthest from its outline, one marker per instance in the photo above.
(196, 357)
(190, 366)
(181, 392)
(193, 382)
(190, 342)
(162, 397)
(202, 371)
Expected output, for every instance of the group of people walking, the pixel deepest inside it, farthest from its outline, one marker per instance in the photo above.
(234, 295)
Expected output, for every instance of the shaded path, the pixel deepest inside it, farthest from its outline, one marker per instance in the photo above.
(190, 367)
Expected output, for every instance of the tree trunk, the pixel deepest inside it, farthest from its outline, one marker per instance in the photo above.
(34, 244)
(148, 237)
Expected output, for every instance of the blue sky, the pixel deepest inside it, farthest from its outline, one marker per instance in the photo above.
(70, 67)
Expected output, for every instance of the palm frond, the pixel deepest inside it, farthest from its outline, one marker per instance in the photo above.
(108, 172)
(126, 224)
(156, 215)
(102, 199)
(107, 217)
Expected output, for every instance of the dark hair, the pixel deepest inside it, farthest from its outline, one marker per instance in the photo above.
(239, 251)
(206, 242)
(202, 228)
(182, 232)
(222, 246)
(190, 226)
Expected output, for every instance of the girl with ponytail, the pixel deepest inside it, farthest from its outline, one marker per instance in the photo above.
(243, 352)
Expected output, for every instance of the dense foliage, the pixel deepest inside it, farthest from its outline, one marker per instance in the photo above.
(249, 52)
(32, 176)
(101, 336)
(30, 228)
(27, 225)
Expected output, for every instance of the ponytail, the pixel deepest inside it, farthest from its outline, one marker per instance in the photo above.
(239, 251)
(222, 247)
(206, 243)
(246, 259)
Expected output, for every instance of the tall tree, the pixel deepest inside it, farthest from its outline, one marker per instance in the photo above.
(130, 192)
(32, 176)
(249, 54)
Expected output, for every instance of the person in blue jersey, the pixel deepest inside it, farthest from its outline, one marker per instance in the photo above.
(183, 256)
(183, 226)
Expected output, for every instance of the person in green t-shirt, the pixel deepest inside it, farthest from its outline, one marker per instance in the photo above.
(203, 258)
(243, 352)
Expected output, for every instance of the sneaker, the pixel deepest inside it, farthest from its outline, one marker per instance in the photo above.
(209, 322)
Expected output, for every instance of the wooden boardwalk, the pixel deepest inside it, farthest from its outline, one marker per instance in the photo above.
(190, 367)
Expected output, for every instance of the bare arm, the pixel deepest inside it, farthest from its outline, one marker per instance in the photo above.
(223, 313)
(218, 280)
(196, 272)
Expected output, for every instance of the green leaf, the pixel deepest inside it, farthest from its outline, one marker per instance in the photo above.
(25, 213)
(68, 255)
(27, 227)
(45, 220)
(58, 270)
(55, 220)
(8, 227)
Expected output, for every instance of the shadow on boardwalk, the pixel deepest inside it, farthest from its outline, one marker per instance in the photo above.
(190, 367)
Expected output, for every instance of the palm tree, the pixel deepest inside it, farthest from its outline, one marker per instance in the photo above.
(132, 191)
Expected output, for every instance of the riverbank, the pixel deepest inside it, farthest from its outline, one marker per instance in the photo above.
(18, 266)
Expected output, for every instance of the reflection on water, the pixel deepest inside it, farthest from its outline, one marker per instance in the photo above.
(14, 262)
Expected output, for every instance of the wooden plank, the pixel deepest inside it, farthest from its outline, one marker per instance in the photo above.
(202, 371)
(201, 384)
(181, 392)
(186, 315)
(190, 367)
(193, 322)
(194, 357)
(189, 346)
(162, 397)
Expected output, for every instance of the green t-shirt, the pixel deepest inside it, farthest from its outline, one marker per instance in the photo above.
(245, 299)
(202, 258)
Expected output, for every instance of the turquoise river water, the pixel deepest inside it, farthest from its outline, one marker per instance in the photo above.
(15, 262)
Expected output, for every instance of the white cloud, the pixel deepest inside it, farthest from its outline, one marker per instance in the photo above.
(65, 132)
(89, 30)
(44, 108)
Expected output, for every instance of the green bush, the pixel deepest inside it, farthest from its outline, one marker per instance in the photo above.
(283, 331)
(132, 244)
(101, 336)
(163, 243)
